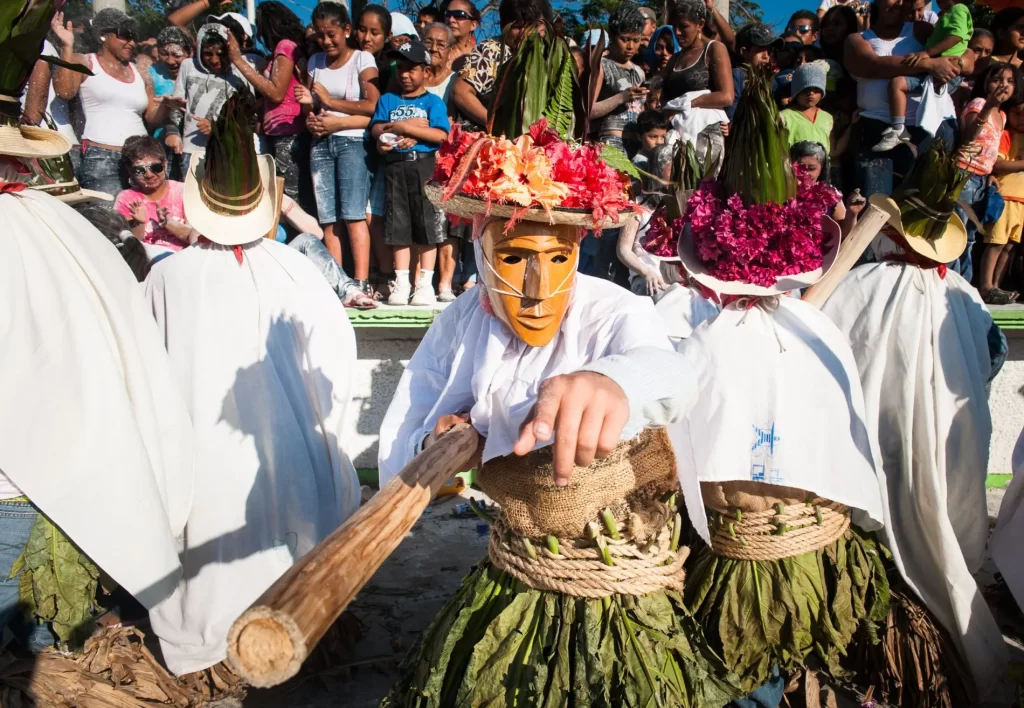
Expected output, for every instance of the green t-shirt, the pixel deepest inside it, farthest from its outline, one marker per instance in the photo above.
(799, 127)
(955, 22)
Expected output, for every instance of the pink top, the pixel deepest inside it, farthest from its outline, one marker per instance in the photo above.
(172, 201)
(284, 118)
(987, 139)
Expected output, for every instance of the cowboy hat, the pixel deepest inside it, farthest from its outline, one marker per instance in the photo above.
(231, 220)
(831, 236)
(945, 249)
(30, 141)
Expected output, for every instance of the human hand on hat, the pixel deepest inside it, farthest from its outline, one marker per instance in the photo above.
(585, 412)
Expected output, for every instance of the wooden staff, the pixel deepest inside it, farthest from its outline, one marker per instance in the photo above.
(269, 642)
(871, 221)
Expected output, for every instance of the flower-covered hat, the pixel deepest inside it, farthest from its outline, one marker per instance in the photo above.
(759, 229)
(531, 164)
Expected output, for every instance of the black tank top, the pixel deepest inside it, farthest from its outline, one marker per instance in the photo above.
(696, 77)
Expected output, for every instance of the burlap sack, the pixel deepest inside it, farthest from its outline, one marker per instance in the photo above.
(725, 497)
(627, 482)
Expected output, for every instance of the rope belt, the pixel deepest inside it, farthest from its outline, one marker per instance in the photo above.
(782, 532)
(596, 567)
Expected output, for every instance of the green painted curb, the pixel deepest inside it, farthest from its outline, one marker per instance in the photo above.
(998, 481)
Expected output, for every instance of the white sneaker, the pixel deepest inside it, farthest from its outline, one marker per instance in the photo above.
(400, 294)
(445, 295)
(890, 139)
(424, 295)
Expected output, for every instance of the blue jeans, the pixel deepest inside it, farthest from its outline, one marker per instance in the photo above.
(378, 189)
(16, 521)
(766, 696)
(100, 169)
(881, 172)
(341, 178)
(973, 194)
(314, 249)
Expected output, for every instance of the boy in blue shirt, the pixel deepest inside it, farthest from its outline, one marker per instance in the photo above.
(408, 129)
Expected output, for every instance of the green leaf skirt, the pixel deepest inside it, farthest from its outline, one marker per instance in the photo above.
(756, 614)
(499, 642)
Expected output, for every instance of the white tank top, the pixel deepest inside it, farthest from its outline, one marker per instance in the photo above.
(873, 94)
(113, 109)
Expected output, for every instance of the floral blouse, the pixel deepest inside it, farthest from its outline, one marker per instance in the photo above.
(480, 70)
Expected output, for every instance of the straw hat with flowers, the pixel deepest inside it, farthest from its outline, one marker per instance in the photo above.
(531, 163)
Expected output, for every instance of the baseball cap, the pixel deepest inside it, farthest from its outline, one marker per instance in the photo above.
(412, 51)
(757, 35)
(648, 14)
(400, 24)
(238, 17)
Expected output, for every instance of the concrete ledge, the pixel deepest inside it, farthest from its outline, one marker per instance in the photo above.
(388, 316)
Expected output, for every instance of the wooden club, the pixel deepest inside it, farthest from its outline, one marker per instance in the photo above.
(269, 642)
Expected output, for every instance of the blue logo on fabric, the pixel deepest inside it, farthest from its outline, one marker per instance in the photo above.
(763, 451)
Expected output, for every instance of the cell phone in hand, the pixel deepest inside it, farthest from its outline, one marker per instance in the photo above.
(318, 105)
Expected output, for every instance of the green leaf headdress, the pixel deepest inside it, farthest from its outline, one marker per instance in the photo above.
(930, 191)
(757, 165)
(231, 184)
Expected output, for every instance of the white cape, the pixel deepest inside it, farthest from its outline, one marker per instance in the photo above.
(921, 345)
(470, 362)
(263, 352)
(92, 428)
(779, 403)
(1007, 539)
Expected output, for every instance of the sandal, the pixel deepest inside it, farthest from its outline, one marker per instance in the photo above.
(998, 296)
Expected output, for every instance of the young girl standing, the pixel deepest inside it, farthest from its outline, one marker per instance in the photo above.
(981, 128)
(622, 92)
(341, 102)
(804, 119)
(372, 34)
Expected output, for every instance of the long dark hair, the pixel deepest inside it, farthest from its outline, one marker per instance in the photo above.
(995, 69)
(275, 22)
(331, 11)
(850, 18)
(115, 228)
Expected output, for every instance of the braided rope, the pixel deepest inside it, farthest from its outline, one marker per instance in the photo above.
(579, 568)
(783, 532)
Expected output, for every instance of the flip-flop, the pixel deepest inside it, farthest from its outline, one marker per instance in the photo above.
(360, 302)
(998, 296)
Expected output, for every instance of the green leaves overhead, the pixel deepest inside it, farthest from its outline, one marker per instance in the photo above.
(618, 160)
(929, 192)
(538, 81)
(757, 165)
(58, 583)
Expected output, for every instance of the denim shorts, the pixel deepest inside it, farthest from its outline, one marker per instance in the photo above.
(341, 178)
(100, 169)
(915, 84)
(378, 189)
(16, 521)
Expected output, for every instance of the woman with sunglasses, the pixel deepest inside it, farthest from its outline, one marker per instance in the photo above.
(153, 205)
(118, 100)
(462, 19)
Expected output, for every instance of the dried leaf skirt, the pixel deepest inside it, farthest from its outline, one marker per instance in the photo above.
(580, 602)
(765, 612)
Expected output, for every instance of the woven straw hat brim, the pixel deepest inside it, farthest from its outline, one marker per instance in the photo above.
(229, 230)
(468, 207)
(945, 249)
(785, 284)
(30, 141)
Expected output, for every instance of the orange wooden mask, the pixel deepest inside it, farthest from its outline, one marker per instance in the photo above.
(530, 272)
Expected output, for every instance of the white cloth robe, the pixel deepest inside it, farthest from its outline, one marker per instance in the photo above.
(779, 403)
(92, 428)
(263, 352)
(1008, 539)
(921, 346)
(470, 362)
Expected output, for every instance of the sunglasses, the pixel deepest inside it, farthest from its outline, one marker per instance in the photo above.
(793, 46)
(802, 29)
(457, 15)
(154, 167)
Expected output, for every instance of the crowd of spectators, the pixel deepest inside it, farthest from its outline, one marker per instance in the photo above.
(354, 108)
